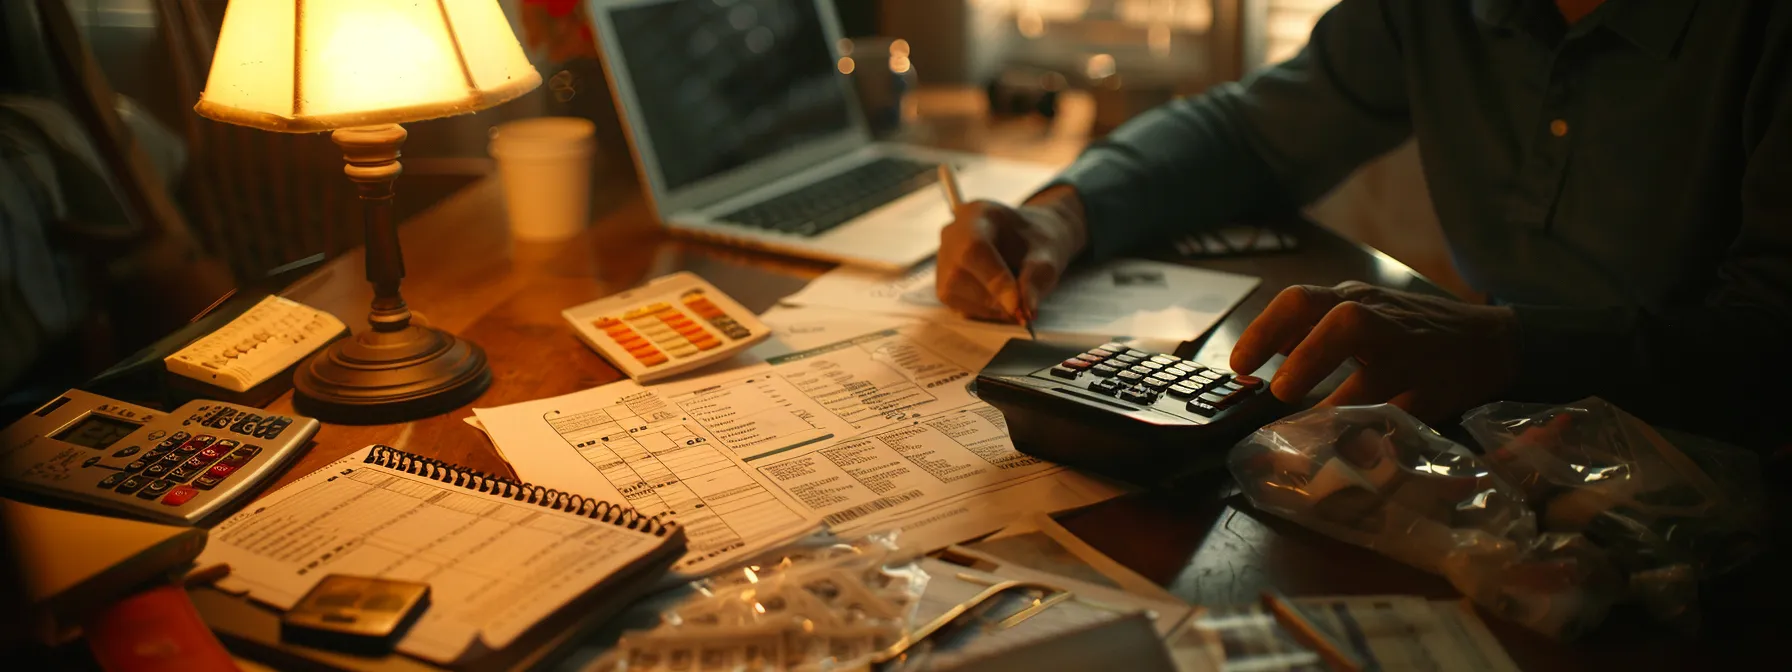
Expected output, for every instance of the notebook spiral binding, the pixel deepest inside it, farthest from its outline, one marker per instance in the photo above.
(462, 477)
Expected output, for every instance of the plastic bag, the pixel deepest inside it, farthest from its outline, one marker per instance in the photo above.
(1376, 477)
(1591, 468)
(1574, 509)
(808, 607)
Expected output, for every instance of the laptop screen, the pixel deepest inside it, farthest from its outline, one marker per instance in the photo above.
(722, 83)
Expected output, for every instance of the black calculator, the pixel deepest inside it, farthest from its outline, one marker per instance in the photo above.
(1120, 411)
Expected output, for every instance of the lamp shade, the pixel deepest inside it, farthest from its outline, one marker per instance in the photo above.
(302, 66)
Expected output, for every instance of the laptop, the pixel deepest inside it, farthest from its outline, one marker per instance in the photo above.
(746, 132)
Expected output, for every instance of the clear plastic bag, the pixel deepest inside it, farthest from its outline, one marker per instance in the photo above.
(1590, 468)
(816, 606)
(1572, 510)
(1376, 477)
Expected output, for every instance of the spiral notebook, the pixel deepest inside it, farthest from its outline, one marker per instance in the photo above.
(500, 556)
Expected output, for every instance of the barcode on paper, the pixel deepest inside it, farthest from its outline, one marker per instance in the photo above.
(878, 504)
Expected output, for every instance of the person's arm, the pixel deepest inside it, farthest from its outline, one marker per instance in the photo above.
(1281, 138)
(1721, 360)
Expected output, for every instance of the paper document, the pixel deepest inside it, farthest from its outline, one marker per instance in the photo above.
(873, 431)
(1392, 633)
(494, 566)
(1126, 298)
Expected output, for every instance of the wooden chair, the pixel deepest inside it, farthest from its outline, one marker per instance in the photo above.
(257, 199)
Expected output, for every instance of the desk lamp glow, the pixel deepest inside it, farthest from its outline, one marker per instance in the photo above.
(359, 68)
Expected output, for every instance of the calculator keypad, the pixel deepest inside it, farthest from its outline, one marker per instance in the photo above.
(659, 332)
(1146, 379)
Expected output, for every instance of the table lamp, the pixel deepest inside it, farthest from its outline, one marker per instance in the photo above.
(359, 68)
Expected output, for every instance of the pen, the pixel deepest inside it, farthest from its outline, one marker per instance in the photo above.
(1335, 655)
(954, 199)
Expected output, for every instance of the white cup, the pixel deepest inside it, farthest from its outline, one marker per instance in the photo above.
(545, 165)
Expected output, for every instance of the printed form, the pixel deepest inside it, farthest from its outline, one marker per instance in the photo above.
(874, 431)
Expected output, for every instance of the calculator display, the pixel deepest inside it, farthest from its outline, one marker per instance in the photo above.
(97, 431)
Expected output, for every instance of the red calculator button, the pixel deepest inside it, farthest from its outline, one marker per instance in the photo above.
(654, 359)
(706, 342)
(179, 495)
(221, 470)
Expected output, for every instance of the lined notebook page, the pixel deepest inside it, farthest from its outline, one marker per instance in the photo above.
(495, 566)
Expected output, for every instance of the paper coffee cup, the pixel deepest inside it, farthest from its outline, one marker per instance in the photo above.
(544, 164)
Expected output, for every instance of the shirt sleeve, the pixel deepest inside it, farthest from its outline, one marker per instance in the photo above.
(1280, 138)
(1718, 364)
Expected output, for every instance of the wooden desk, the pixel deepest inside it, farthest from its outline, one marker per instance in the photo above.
(466, 275)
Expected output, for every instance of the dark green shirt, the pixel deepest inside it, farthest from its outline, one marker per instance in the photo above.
(1625, 183)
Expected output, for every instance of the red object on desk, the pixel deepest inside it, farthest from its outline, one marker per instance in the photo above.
(157, 630)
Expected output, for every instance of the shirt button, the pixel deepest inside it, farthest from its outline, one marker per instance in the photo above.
(1558, 128)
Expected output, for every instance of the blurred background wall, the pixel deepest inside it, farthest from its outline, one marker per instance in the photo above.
(1156, 47)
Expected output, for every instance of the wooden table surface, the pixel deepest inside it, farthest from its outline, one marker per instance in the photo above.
(467, 276)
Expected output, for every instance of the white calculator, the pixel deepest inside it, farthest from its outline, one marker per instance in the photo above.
(671, 325)
(263, 342)
(185, 467)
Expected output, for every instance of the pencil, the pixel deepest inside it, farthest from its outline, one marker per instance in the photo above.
(1335, 655)
(954, 199)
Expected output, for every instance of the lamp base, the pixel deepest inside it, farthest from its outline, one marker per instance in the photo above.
(394, 376)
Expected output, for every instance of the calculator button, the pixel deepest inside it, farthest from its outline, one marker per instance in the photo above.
(112, 481)
(167, 445)
(1129, 376)
(220, 470)
(248, 451)
(183, 473)
(1165, 360)
(238, 458)
(177, 437)
(1106, 386)
(227, 445)
(1249, 382)
(1167, 378)
(1154, 366)
(1182, 391)
(654, 359)
(1185, 368)
(1075, 364)
(181, 494)
(132, 484)
(1092, 359)
(1210, 375)
(212, 453)
(1065, 372)
(1199, 408)
(1116, 348)
(197, 462)
(1157, 386)
(706, 342)
(127, 451)
(1128, 360)
(1104, 370)
(1213, 399)
(156, 488)
(681, 350)
(136, 466)
(1138, 395)
(207, 482)
(158, 469)
(1228, 387)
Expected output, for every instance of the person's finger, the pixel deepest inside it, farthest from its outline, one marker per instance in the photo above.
(1039, 275)
(1362, 388)
(1282, 324)
(1346, 331)
(983, 264)
(962, 293)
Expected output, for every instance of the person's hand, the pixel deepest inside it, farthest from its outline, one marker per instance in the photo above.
(996, 262)
(1431, 356)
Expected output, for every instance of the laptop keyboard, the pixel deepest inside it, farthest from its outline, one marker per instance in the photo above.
(823, 205)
